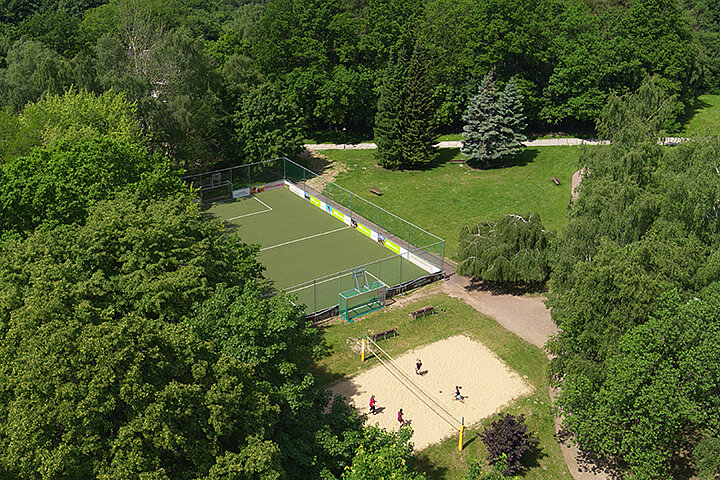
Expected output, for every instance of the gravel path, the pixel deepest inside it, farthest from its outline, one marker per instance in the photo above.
(545, 142)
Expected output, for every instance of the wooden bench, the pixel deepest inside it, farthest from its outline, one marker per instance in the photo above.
(556, 180)
(376, 191)
(457, 161)
(384, 334)
(423, 311)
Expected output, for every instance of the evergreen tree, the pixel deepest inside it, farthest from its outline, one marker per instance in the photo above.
(493, 121)
(419, 134)
(404, 124)
(513, 119)
(388, 134)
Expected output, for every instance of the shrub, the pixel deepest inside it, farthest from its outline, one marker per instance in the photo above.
(508, 436)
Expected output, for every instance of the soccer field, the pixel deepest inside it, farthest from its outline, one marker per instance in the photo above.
(307, 251)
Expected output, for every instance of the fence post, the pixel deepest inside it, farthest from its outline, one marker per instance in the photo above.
(442, 258)
(249, 179)
(314, 296)
(408, 241)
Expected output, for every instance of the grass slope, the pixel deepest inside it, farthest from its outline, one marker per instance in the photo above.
(455, 317)
(704, 118)
(444, 198)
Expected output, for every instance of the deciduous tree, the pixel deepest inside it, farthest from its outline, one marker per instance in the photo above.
(512, 250)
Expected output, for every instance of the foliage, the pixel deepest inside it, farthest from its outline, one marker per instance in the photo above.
(102, 377)
(706, 457)
(382, 454)
(636, 262)
(512, 250)
(659, 389)
(508, 435)
(268, 125)
(32, 71)
(418, 123)
(58, 183)
(499, 470)
(493, 124)
(404, 124)
(388, 119)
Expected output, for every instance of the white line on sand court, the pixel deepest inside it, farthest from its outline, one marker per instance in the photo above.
(488, 385)
(305, 238)
(269, 209)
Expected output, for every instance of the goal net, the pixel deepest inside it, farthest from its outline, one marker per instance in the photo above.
(220, 191)
(361, 300)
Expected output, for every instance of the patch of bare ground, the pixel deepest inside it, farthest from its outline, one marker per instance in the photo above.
(322, 165)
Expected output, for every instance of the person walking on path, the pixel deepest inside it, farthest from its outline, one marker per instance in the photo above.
(418, 366)
(372, 404)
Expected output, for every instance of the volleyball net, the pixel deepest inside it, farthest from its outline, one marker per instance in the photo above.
(420, 391)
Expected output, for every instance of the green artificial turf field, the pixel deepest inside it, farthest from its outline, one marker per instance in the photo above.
(300, 243)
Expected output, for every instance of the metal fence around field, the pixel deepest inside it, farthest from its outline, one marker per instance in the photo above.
(422, 247)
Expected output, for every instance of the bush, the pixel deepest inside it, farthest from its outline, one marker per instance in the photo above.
(507, 439)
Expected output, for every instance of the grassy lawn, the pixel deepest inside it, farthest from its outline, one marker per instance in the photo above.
(444, 198)
(443, 461)
(704, 118)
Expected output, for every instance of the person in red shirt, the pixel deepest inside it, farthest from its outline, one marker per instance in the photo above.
(372, 404)
(401, 420)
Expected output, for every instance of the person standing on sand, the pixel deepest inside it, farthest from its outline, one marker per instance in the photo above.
(457, 395)
(372, 404)
(401, 420)
(418, 366)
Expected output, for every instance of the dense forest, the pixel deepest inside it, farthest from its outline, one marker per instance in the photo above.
(136, 339)
(209, 78)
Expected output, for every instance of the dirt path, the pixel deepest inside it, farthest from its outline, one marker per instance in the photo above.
(527, 318)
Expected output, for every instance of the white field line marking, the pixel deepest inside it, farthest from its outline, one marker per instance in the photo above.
(269, 209)
(305, 238)
(266, 205)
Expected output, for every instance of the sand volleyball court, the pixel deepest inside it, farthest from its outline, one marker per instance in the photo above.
(487, 383)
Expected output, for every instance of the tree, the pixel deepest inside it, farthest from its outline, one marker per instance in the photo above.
(418, 123)
(382, 454)
(388, 126)
(404, 124)
(57, 184)
(660, 392)
(508, 440)
(32, 71)
(103, 377)
(512, 250)
(493, 124)
(268, 125)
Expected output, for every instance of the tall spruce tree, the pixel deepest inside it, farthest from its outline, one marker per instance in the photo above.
(405, 131)
(493, 124)
(388, 131)
(419, 132)
(513, 118)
